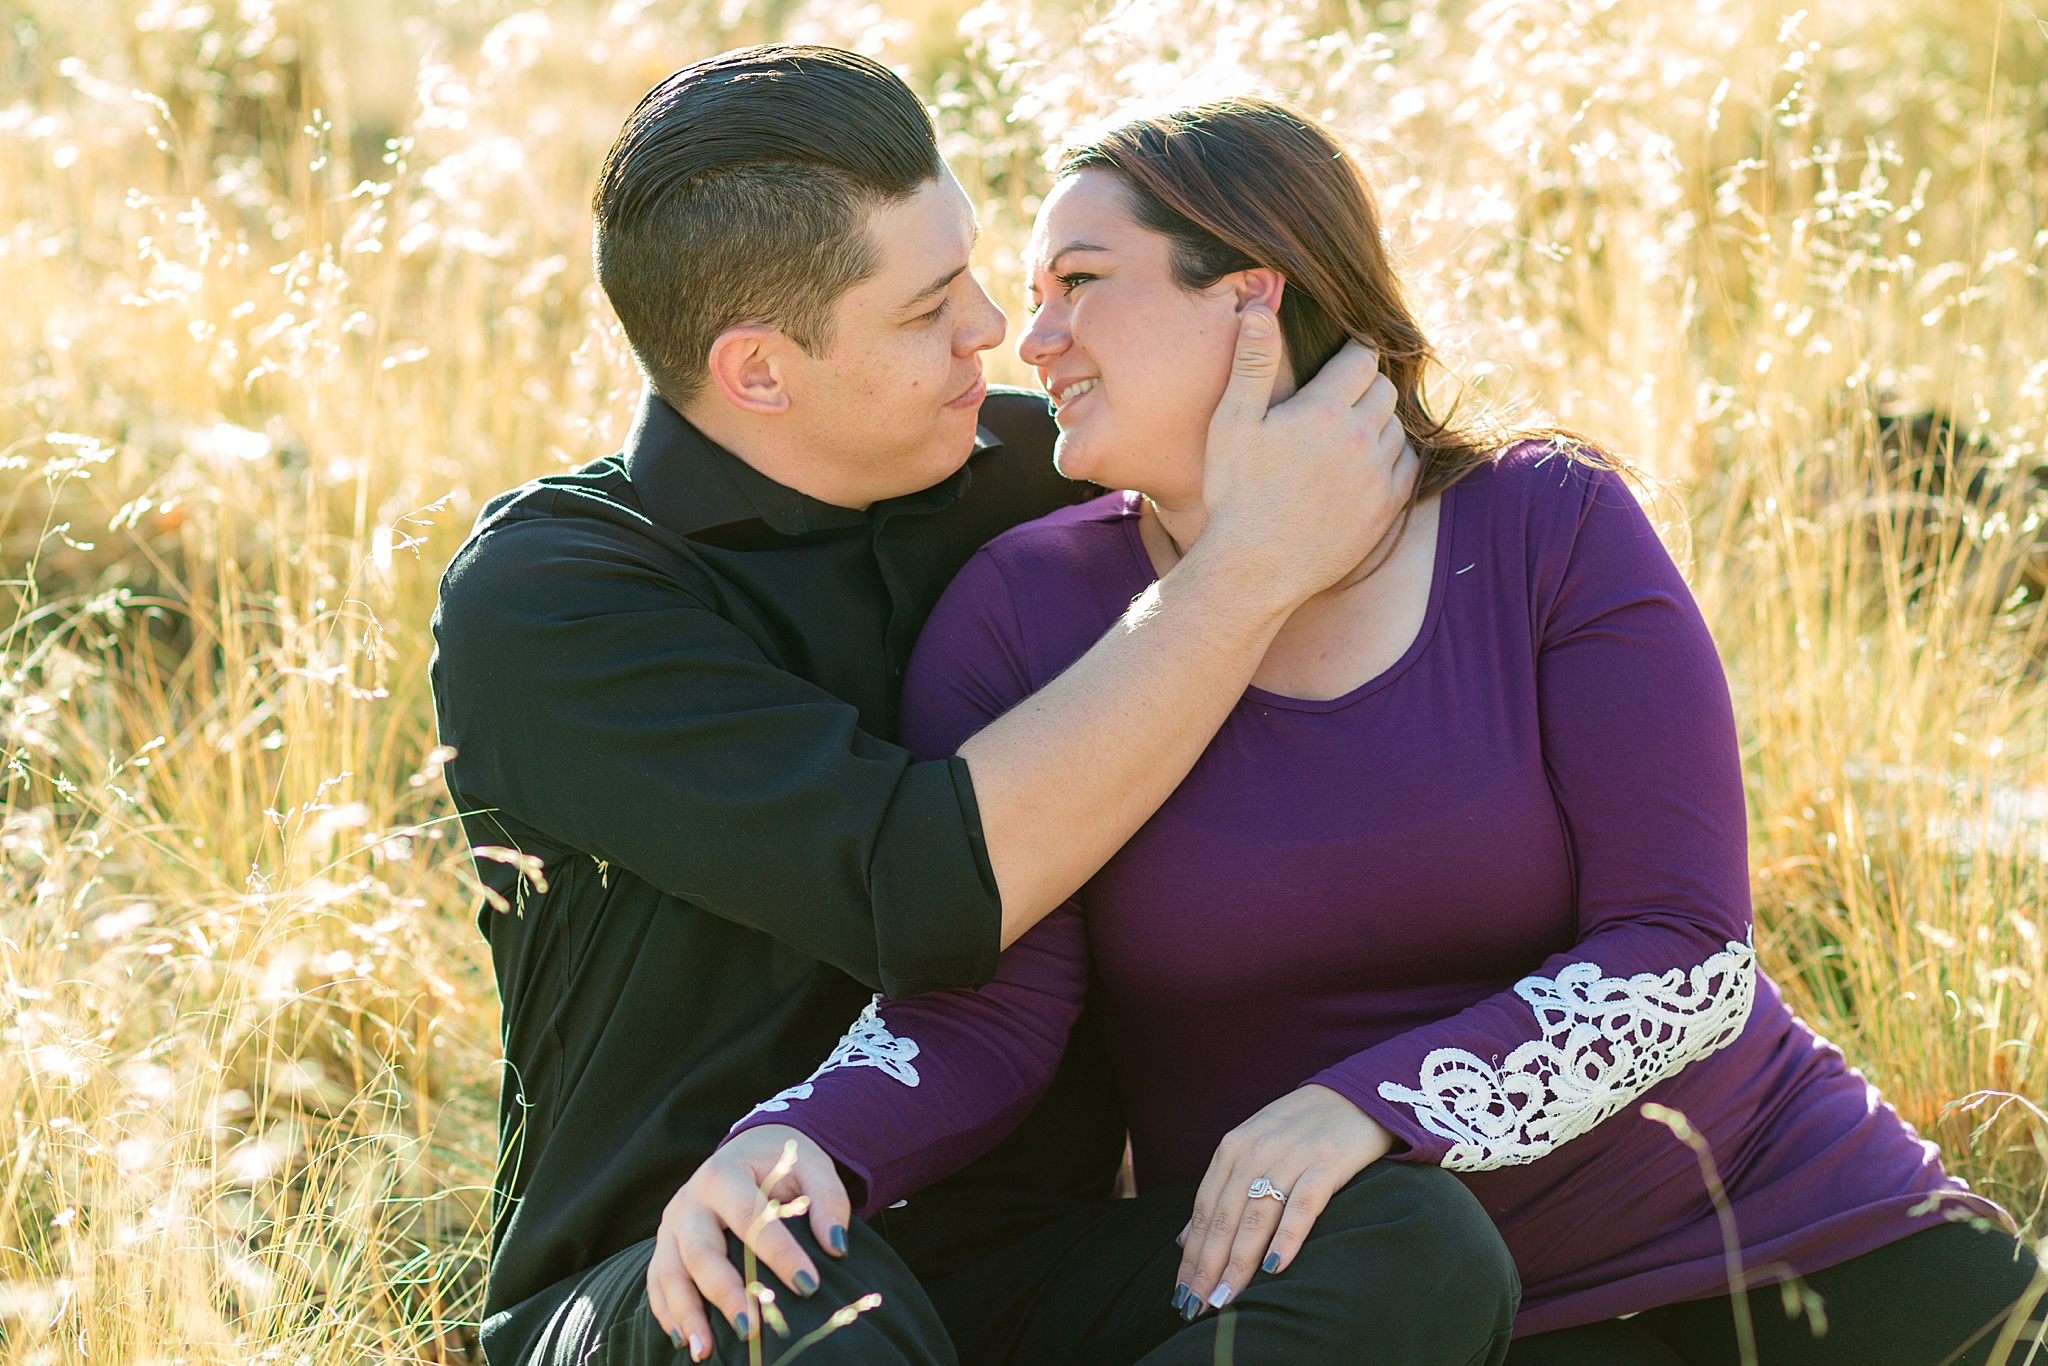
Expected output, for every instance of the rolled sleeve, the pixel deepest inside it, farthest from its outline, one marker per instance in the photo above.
(938, 916)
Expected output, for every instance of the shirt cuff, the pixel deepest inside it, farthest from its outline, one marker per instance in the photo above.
(854, 1176)
(938, 916)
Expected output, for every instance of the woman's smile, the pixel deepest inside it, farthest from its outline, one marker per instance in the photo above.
(1068, 391)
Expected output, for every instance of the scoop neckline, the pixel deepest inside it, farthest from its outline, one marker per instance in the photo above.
(1439, 582)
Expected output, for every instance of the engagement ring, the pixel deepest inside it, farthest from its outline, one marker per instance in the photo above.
(1262, 1188)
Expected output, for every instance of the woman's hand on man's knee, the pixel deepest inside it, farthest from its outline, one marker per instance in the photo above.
(1296, 1154)
(748, 1187)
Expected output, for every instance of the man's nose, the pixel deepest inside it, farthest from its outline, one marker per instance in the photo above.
(987, 326)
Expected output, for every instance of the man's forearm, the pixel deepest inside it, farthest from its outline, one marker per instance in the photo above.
(1071, 773)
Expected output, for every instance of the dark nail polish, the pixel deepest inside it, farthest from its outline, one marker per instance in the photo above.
(1271, 1264)
(675, 1335)
(740, 1325)
(838, 1237)
(1180, 1294)
(806, 1284)
(1192, 1307)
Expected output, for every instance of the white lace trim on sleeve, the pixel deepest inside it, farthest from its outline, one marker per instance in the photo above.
(867, 1044)
(1606, 1040)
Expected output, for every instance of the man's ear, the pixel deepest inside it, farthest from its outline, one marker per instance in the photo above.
(748, 368)
(1261, 286)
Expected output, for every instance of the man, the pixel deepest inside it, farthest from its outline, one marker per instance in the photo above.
(670, 679)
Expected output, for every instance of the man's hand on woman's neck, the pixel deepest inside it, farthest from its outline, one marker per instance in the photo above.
(1170, 522)
(1298, 494)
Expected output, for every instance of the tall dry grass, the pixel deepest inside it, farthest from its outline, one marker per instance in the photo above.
(292, 287)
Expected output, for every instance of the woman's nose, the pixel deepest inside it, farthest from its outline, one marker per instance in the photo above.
(1045, 336)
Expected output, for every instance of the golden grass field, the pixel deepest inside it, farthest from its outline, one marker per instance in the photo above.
(292, 287)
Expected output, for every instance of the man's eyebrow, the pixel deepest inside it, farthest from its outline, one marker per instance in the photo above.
(935, 286)
(948, 278)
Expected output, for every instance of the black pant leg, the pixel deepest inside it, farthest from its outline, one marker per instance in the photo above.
(605, 1319)
(1910, 1303)
(1611, 1342)
(1402, 1269)
(1077, 1283)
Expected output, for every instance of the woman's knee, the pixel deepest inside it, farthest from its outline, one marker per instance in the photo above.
(1425, 1232)
(1403, 1258)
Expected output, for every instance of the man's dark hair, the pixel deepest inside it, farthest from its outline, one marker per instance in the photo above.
(739, 192)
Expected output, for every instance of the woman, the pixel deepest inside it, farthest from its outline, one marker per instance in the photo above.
(1463, 879)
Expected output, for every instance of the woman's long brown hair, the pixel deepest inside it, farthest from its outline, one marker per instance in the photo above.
(1245, 182)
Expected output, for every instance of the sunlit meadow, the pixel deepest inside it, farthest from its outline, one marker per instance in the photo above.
(291, 288)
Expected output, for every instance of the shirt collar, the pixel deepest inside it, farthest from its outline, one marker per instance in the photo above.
(689, 483)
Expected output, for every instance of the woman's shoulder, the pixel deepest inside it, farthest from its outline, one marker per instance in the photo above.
(1027, 604)
(1053, 576)
(1560, 520)
(1078, 553)
(1544, 470)
(1543, 487)
(1068, 536)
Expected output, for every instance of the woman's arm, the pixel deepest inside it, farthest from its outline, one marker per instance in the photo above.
(1639, 740)
(919, 1088)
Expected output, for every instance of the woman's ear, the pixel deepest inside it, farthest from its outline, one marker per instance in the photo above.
(746, 366)
(1260, 286)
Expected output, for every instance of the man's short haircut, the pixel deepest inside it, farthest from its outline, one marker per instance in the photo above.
(739, 193)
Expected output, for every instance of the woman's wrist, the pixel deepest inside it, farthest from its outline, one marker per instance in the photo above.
(1373, 1139)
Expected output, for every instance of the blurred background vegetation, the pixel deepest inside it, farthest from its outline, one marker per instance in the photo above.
(292, 287)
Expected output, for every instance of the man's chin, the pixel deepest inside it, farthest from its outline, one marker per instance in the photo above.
(950, 459)
(935, 464)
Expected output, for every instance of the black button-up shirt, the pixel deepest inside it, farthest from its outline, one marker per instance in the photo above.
(673, 681)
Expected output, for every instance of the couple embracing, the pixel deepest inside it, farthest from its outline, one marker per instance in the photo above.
(1345, 807)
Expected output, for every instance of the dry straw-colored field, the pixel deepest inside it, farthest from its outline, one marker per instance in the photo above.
(291, 287)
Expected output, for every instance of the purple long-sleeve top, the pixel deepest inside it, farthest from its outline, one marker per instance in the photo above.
(1496, 896)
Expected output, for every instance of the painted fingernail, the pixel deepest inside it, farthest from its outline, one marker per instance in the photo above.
(1192, 1307)
(741, 1324)
(838, 1236)
(1271, 1264)
(1221, 1295)
(675, 1335)
(697, 1350)
(806, 1284)
(1180, 1294)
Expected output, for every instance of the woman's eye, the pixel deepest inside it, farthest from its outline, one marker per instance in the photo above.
(1070, 281)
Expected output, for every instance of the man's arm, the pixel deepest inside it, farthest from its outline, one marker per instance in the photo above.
(1298, 495)
(593, 695)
